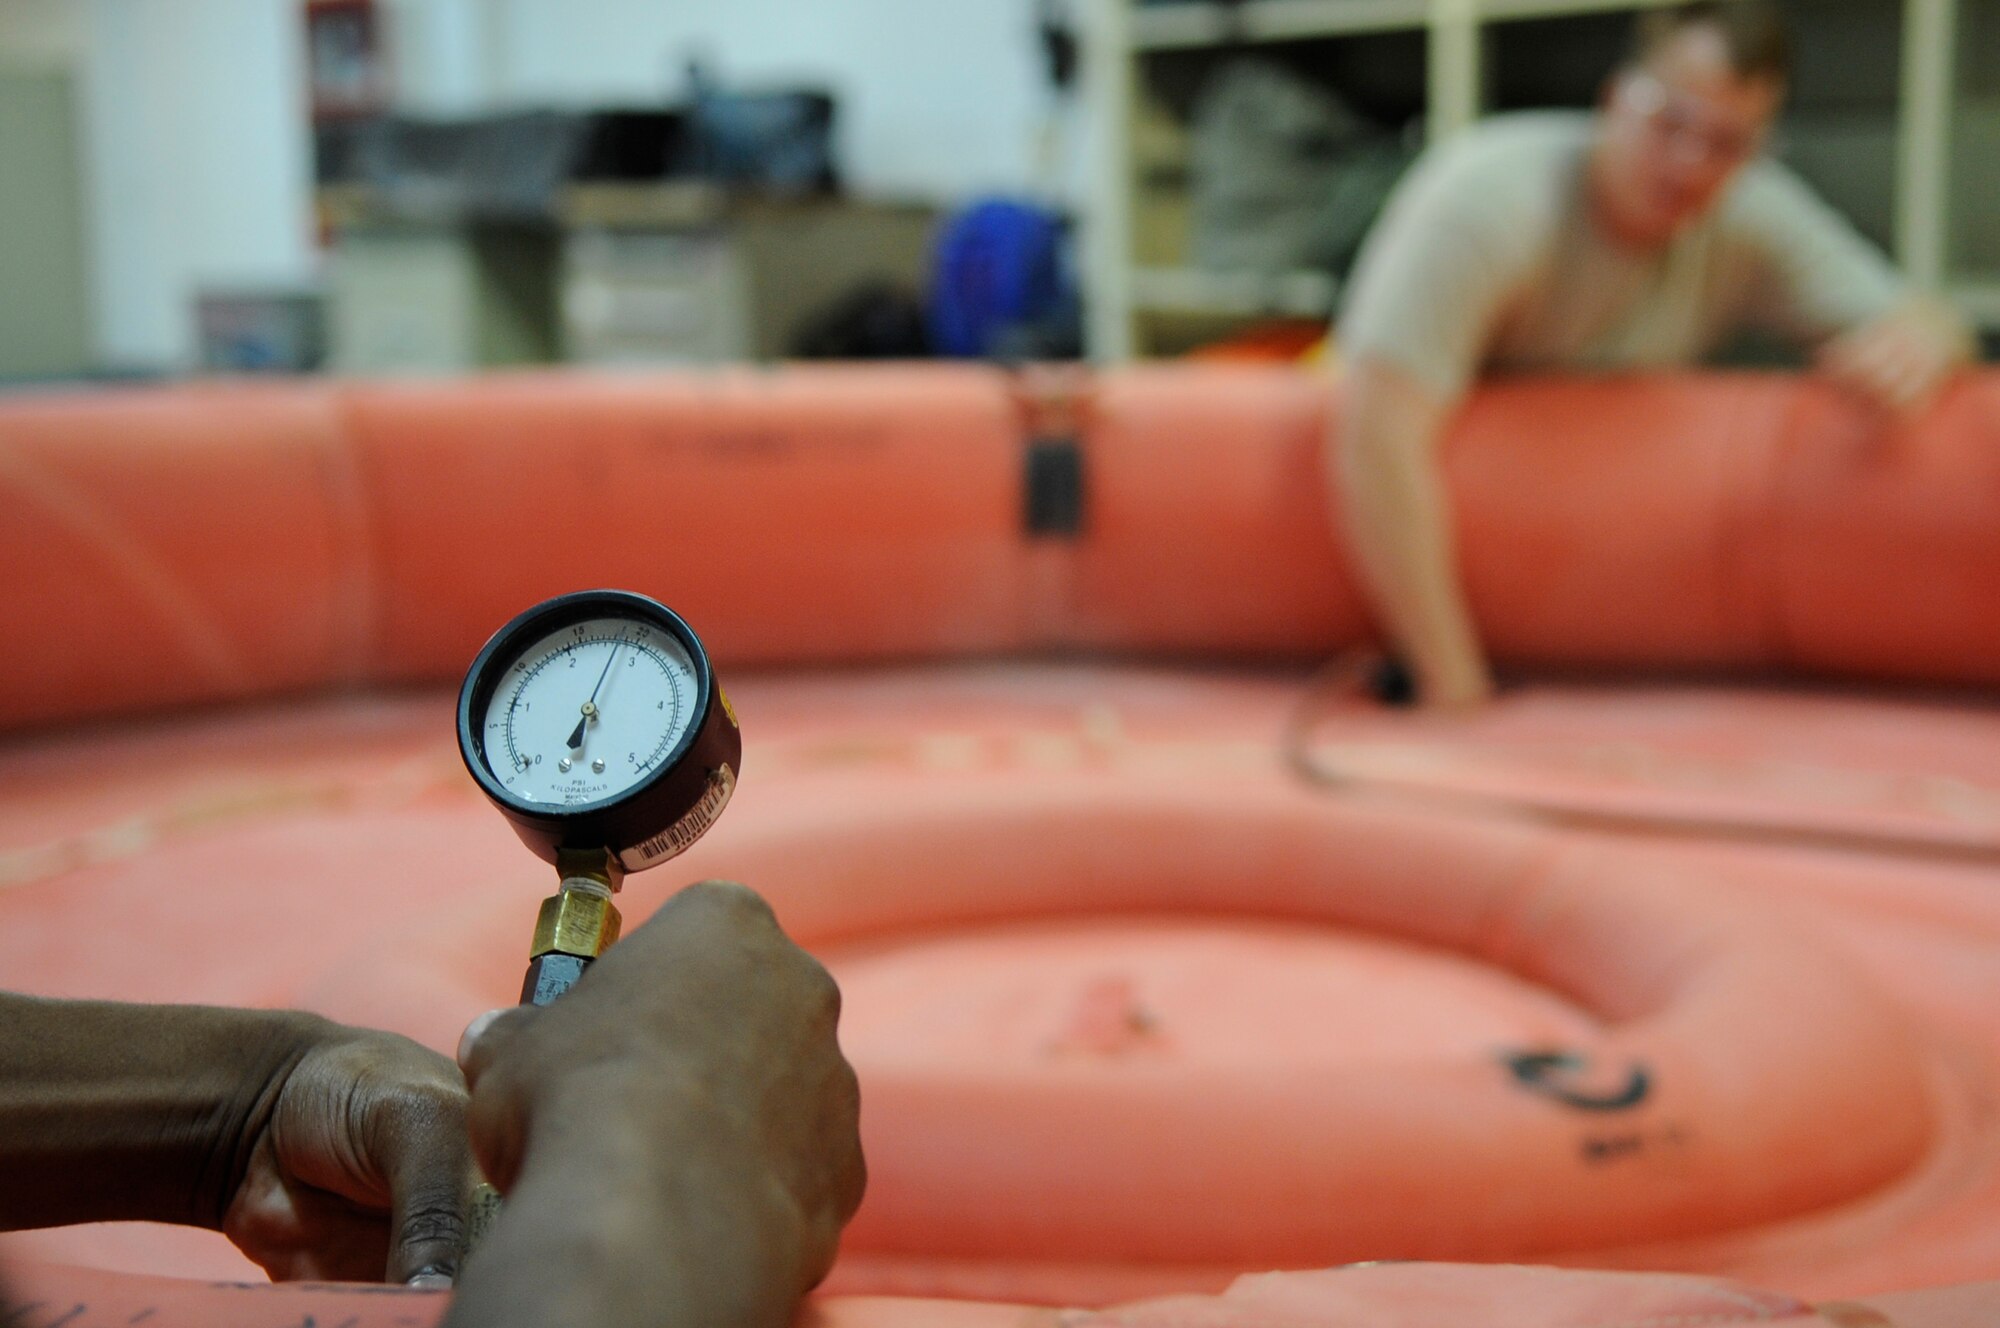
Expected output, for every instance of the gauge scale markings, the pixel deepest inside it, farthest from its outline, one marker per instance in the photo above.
(666, 666)
(629, 643)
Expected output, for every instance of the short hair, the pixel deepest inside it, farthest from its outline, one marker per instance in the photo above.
(1753, 31)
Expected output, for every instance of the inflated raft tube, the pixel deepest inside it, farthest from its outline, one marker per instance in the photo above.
(189, 544)
(1589, 1052)
(204, 543)
(215, 542)
(805, 515)
(1715, 520)
(1403, 1296)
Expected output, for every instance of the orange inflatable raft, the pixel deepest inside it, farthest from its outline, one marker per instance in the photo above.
(220, 542)
(1412, 1296)
(1665, 979)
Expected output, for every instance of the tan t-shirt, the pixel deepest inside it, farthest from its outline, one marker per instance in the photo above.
(1487, 256)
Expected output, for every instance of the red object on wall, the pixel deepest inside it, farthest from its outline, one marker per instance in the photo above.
(347, 62)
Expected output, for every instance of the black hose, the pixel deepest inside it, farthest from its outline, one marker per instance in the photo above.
(1352, 676)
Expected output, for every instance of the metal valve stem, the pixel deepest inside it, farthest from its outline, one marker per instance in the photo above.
(576, 924)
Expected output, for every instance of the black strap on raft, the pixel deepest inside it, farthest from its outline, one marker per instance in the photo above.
(1054, 494)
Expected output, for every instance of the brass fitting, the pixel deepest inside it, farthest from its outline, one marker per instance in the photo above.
(576, 920)
(593, 864)
(580, 919)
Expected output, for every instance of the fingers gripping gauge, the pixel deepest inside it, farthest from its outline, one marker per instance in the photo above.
(596, 725)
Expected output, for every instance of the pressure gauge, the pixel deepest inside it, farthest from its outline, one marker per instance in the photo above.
(594, 722)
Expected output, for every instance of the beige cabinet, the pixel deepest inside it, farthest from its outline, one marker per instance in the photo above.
(417, 299)
(621, 275)
(662, 276)
(44, 298)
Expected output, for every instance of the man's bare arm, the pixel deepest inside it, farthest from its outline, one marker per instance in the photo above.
(322, 1151)
(1828, 287)
(1383, 457)
(1902, 359)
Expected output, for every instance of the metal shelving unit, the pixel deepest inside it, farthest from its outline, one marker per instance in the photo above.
(1193, 290)
(1122, 35)
(1168, 27)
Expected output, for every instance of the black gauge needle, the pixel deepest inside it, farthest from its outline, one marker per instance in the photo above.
(590, 706)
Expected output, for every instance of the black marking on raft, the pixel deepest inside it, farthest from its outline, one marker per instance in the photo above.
(1613, 1148)
(1553, 1074)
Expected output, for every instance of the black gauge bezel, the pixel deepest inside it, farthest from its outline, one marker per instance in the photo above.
(710, 748)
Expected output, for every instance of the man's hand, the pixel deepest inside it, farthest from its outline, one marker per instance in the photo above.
(323, 1151)
(361, 1170)
(678, 1136)
(1466, 686)
(1901, 360)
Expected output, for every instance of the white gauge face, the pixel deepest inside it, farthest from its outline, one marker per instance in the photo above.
(588, 712)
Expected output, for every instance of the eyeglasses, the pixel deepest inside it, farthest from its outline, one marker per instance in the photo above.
(1683, 124)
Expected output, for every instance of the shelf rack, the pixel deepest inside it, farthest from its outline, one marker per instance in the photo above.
(1120, 35)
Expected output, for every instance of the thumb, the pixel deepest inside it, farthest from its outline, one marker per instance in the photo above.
(430, 1174)
(495, 1121)
(486, 1037)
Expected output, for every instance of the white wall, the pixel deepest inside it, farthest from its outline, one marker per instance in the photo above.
(443, 53)
(938, 98)
(199, 164)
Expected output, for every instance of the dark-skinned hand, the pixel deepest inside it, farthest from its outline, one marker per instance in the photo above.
(322, 1151)
(362, 1169)
(677, 1136)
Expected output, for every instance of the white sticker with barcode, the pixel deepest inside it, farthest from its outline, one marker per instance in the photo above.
(675, 839)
